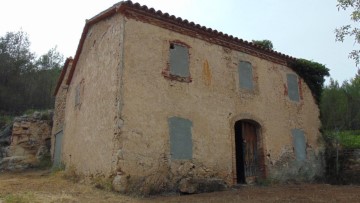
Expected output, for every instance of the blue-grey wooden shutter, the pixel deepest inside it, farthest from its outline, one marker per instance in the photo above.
(245, 75)
(293, 87)
(77, 95)
(57, 150)
(179, 60)
(299, 144)
(180, 138)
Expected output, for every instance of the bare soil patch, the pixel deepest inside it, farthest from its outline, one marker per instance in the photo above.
(44, 186)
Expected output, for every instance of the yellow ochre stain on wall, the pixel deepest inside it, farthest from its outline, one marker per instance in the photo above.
(206, 73)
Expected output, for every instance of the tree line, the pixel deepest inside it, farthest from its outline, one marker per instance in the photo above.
(26, 81)
(340, 105)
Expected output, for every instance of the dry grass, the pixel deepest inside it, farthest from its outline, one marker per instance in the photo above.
(44, 186)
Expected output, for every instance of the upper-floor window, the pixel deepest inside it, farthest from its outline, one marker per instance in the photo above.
(79, 91)
(77, 95)
(293, 87)
(179, 60)
(245, 75)
(178, 66)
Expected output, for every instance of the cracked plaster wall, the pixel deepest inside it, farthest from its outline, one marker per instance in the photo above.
(90, 128)
(212, 101)
(122, 127)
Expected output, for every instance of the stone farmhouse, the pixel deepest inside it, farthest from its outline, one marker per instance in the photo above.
(156, 102)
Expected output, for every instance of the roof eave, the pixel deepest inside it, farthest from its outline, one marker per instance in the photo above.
(62, 74)
(105, 14)
(127, 6)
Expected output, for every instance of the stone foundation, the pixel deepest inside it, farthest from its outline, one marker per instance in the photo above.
(288, 169)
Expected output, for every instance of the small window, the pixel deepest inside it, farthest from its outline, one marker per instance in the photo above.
(77, 95)
(245, 75)
(293, 87)
(180, 138)
(178, 66)
(299, 144)
(79, 91)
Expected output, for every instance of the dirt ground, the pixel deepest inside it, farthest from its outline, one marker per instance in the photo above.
(44, 186)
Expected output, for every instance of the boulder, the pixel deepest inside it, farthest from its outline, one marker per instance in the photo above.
(119, 183)
(37, 115)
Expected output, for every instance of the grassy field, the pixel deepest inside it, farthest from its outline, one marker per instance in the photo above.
(347, 139)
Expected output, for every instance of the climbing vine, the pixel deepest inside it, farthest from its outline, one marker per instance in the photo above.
(313, 74)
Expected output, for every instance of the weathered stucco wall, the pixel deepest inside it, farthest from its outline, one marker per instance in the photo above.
(59, 108)
(213, 102)
(121, 102)
(92, 103)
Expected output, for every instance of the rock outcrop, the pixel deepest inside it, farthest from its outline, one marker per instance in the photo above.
(26, 143)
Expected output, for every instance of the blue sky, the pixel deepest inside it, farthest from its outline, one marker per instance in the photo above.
(300, 28)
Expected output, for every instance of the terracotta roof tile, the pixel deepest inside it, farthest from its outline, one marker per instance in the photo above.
(122, 7)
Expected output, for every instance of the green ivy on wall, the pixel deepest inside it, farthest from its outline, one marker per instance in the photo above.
(313, 74)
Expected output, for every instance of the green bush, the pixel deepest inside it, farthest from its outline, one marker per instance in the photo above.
(20, 198)
(313, 74)
(30, 111)
(350, 139)
(45, 161)
(5, 120)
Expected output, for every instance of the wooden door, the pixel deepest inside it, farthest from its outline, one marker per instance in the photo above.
(246, 142)
(250, 151)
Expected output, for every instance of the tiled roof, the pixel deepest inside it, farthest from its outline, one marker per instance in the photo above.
(150, 15)
(185, 23)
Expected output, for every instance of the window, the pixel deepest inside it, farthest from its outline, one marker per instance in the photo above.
(79, 91)
(299, 144)
(178, 67)
(179, 60)
(180, 138)
(57, 149)
(245, 75)
(293, 87)
(77, 95)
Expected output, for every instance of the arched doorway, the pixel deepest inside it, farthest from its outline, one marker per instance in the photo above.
(248, 151)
